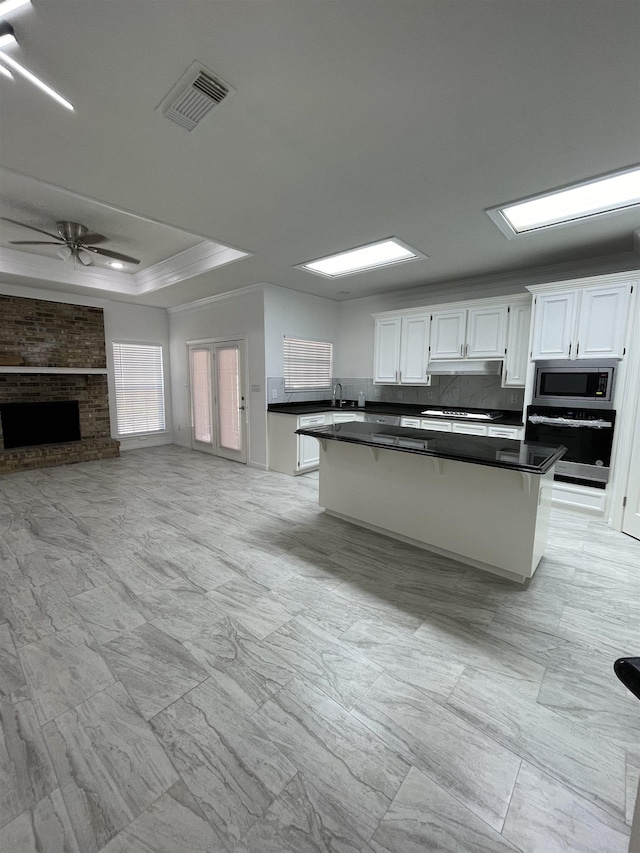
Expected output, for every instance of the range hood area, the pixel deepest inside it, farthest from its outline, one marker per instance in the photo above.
(465, 368)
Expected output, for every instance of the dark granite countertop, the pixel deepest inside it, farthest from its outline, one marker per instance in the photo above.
(527, 457)
(407, 410)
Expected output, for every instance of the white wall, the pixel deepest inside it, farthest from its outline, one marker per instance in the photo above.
(123, 321)
(223, 318)
(288, 313)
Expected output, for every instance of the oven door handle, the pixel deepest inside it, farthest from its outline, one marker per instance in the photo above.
(569, 422)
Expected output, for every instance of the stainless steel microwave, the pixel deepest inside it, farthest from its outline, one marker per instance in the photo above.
(588, 383)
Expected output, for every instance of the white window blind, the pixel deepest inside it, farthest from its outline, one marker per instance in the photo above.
(308, 365)
(139, 388)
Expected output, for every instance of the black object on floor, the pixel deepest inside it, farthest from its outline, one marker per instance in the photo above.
(628, 671)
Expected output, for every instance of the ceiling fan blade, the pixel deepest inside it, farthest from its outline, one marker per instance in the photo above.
(33, 243)
(109, 254)
(33, 228)
(84, 263)
(92, 238)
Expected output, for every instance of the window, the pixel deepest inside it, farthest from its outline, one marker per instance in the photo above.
(139, 388)
(308, 365)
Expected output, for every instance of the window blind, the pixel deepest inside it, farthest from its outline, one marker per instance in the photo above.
(139, 388)
(308, 365)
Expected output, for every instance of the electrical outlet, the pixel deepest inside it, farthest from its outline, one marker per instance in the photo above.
(377, 392)
(429, 395)
(514, 399)
(399, 393)
(274, 394)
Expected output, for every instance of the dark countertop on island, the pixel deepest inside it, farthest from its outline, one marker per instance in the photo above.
(406, 410)
(526, 457)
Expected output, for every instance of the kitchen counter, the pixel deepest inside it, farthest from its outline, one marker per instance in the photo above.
(407, 410)
(479, 450)
(477, 500)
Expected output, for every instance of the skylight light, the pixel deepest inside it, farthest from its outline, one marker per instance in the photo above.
(595, 197)
(380, 254)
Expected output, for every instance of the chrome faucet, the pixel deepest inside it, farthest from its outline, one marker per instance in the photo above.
(335, 391)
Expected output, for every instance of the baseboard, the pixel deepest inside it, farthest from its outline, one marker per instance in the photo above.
(138, 442)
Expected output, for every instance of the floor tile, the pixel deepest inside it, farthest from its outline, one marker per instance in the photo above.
(481, 775)
(12, 681)
(424, 817)
(546, 817)
(44, 828)
(109, 765)
(34, 612)
(62, 670)
(239, 661)
(155, 668)
(173, 824)
(26, 774)
(181, 609)
(341, 671)
(339, 755)
(109, 610)
(302, 820)
(227, 760)
(250, 603)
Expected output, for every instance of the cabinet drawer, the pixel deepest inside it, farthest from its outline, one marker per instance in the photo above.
(470, 429)
(410, 422)
(435, 424)
(505, 432)
(311, 420)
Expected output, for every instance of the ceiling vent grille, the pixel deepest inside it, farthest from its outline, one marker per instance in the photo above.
(195, 94)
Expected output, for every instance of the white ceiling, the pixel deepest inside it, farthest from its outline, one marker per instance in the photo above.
(351, 121)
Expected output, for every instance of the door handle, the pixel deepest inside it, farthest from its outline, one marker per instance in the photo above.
(241, 408)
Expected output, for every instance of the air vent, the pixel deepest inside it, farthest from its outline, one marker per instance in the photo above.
(195, 94)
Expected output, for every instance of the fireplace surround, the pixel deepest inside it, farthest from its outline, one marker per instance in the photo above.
(57, 355)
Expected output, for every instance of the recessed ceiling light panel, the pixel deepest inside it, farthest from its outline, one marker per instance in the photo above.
(383, 253)
(596, 197)
(8, 6)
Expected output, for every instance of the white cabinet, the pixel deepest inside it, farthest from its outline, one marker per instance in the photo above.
(448, 335)
(588, 322)
(290, 453)
(414, 350)
(308, 447)
(346, 417)
(469, 333)
(469, 429)
(486, 332)
(387, 350)
(414, 423)
(400, 350)
(514, 371)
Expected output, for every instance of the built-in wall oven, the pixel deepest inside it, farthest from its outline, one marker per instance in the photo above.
(587, 433)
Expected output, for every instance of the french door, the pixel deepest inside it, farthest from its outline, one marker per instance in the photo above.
(218, 406)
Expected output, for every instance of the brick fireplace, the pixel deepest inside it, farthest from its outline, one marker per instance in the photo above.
(37, 335)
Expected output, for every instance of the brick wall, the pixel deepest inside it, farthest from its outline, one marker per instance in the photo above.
(51, 334)
(37, 333)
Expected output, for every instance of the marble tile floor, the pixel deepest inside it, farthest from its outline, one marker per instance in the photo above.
(194, 658)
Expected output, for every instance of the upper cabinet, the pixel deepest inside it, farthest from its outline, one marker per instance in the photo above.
(401, 350)
(468, 333)
(514, 372)
(581, 322)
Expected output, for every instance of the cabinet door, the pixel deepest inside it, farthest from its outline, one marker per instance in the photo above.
(308, 452)
(515, 361)
(486, 332)
(344, 417)
(602, 321)
(386, 352)
(414, 351)
(554, 323)
(469, 429)
(515, 433)
(447, 335)
(435, 424)
(410, 422)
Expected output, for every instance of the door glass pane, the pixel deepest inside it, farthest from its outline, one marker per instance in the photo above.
(228, 398)
(201, 395)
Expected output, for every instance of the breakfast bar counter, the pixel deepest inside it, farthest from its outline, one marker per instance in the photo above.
(483, 501)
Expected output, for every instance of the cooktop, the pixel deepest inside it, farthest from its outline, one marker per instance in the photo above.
(476, 414)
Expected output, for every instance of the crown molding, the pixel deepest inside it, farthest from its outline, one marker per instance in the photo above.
(218, 297)
(198, 259)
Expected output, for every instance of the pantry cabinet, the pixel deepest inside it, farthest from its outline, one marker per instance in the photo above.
(581, 322)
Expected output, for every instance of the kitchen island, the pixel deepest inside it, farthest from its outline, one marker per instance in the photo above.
(482, 501)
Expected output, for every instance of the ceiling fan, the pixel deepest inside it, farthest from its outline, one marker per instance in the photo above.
(73, 241)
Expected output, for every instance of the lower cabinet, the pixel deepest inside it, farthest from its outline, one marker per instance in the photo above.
(463, 427)
(469, 429)
(297, 454)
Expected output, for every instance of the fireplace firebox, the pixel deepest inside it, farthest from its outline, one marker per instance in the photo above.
(27, 424)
